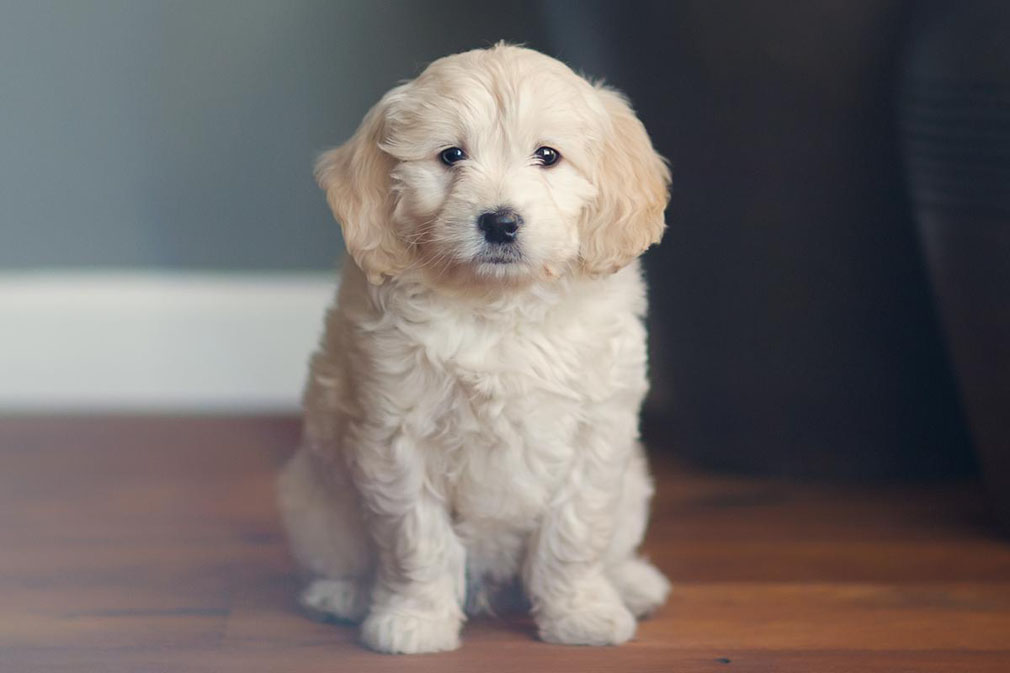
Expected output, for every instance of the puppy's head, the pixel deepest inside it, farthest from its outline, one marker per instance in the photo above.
(497, 165)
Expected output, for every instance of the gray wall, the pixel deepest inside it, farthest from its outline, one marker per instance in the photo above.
(180, 134)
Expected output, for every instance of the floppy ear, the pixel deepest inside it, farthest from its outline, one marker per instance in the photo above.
(356, 179)
(632, 183)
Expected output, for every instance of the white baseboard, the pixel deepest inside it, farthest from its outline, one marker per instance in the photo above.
(161, 342)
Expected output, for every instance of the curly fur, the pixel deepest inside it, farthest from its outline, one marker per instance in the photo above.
(469, 424)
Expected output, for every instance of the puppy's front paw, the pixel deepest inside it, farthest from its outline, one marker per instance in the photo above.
(393, 632)
(592, 616)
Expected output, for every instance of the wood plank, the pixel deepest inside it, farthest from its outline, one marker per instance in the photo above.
(152, 544)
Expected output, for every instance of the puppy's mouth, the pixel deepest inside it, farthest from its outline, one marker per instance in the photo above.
(499, 256)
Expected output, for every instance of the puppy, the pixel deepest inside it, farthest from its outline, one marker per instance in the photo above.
(471, 414)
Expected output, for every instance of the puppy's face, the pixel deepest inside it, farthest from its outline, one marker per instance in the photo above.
(497, 166)
(492, 164)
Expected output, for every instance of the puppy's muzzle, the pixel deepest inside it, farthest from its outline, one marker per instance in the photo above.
(500, 226)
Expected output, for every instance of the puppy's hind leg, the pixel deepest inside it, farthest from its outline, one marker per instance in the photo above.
(327, 536)
(642, 587)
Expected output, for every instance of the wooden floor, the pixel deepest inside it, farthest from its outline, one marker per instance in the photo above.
(153, 545)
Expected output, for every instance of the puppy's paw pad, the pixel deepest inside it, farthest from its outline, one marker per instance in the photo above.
(342, 599)
(398, 633)
(606, 623)
(641, 586)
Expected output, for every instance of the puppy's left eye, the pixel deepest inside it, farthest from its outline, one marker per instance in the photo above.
(452, 155)
(547, 156)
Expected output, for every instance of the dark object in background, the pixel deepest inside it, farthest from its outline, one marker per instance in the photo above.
(956, 124)
(792, 326)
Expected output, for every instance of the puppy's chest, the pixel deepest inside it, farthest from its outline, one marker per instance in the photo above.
(510, 404)
(499, 365)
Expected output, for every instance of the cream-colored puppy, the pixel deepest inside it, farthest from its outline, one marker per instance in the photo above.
(471, 415)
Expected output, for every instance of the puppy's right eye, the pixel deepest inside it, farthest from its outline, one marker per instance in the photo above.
(452, 155)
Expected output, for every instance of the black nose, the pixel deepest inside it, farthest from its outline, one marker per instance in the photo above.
(499, 226)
